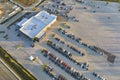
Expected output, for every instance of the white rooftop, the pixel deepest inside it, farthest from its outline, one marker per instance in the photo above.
(37, 23)
(21, 22)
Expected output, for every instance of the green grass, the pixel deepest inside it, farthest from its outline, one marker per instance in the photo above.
(15, 66)
(44, 66)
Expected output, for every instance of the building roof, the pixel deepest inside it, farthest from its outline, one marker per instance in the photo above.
(21, 22)
(37, 23)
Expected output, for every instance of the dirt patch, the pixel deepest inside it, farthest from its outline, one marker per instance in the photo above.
(1, 12)
(26, 2)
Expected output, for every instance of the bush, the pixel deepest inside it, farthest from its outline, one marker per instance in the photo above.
(59, 29)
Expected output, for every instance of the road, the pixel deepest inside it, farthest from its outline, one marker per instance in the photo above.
(5, 74)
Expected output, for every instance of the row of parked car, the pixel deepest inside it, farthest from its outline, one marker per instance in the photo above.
(80, 1)
(79, 40)
(76, 50)
(98, 76)
(67, 54)
(71, 47)
(60, 49)
(58, 7)
(73, 72)
(50, 71)
(95, 49)
(71, 36)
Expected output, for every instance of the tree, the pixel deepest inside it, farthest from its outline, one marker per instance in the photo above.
(19, 46)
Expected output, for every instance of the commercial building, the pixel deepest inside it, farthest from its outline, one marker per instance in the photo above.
(36, 26)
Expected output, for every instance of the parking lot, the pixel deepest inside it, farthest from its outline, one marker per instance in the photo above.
(83, 30)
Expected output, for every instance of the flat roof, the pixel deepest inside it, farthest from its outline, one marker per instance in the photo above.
(35, 24)
(45, 17)
(21, 22)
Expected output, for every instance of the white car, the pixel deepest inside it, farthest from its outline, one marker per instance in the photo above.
(32, 58)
